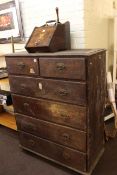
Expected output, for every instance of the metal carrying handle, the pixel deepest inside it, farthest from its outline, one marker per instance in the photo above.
(50, 21)
(57, 13)
(56, 21)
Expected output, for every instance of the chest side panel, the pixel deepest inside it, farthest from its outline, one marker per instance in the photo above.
(96, 91)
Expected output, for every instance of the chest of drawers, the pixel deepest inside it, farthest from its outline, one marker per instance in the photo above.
(59, 101)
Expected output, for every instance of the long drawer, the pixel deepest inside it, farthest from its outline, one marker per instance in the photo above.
(23, 66)
(61, 113)
(63, 155)
(65, 91)
(60, 134)
(63, 68)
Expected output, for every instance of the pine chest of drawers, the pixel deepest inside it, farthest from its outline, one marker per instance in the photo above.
(59, 101)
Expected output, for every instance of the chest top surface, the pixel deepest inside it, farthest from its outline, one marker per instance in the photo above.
(70, 53)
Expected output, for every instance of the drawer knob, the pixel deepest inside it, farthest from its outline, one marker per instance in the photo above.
(60, 66)
(62, 92)
(28, 108)
(21, 65)
(23, 86)
(26, 105)
(28, 126)
(66, 136)
(32, 142)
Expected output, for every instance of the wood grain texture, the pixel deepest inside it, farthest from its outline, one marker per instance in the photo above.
(54, 151)
(63, 68)
(64, 91)
(1, 108)
(60, 134)
(49, 38)
(8, 120)
(23, 66)
(96, 100)
(61, 113)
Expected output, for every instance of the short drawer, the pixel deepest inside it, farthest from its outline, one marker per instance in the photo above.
(55, 152)
(24, 85)
(61, 113)
(23, 65)
(64, 91)
(70, 68)
(60, 134)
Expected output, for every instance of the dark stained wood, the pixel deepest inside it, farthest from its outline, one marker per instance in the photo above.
(64, 107)
(63, 68)
(67, 156)
(23, 85)
(49, 38)
(23, 66)
(60, 134)
(67, 53)
(61, 113)
(1, 108)
(96, 100)
(64, 91)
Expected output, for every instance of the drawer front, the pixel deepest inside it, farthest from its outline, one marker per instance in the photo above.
(23, 65)
(70, 68)
(63, 155)
(65, 91)
(24, 85)
(61, 113)
(60, 134)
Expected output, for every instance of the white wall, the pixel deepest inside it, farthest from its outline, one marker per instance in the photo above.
(91, 21)
(99, 26)
(37, 12)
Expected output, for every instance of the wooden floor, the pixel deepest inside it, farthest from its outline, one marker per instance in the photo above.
(8, 120)
(4, 84)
